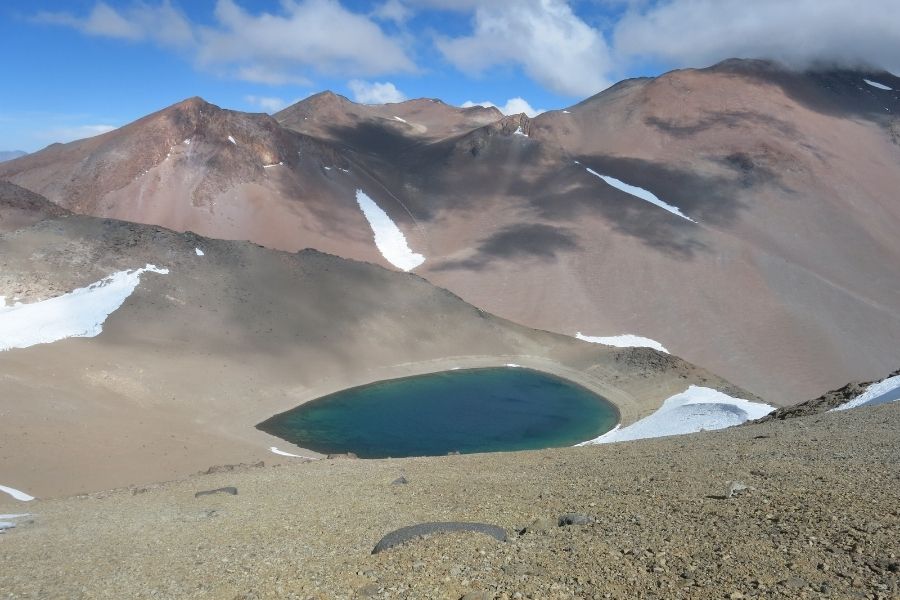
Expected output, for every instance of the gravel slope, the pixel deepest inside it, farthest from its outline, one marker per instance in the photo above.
(823, 517)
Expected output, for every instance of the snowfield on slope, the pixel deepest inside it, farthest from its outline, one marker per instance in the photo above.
(639, 193)
(389, 240)
(882, 392)
(695, 409)
(880, 86)
(623, 341)
(80, 313)
(17, 494)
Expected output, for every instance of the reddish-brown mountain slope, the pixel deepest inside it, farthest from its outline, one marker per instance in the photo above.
(784, 277)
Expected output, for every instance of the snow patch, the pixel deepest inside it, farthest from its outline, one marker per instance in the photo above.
(880, 86)
(80, 313)
(231, 139)
(695, 409)
(188, 141)
(401, 120)
(199, 252)
(275, 450)
(513, 365)
(17, 494)
(519, 131)
(9, 524)
(565, 112)
(278, 164)
(623, 341)
(640, 193)
(389, 240)
(882, 392)
(327, 168)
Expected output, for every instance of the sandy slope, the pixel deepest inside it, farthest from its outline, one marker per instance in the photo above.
(821, 521)
(195, 358)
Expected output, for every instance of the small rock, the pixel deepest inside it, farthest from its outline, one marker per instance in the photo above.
(737, 488)
(539, 525)
(402, 480)
(480, 595)
(574, 519)
(222, 490)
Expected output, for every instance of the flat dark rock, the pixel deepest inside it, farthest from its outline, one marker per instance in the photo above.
(222, 490)
(405, 534)
(574, 519)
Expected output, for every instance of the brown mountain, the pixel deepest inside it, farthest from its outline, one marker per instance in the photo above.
(777, 265)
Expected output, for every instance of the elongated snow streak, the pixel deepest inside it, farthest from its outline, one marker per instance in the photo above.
(17, 494)
(640, 193)
(519, 131)
(882, 392)
(231, 139)
(401, 120)
(695, 409)
(199, 252)
(275, 450)
(80, 313)
(278, 164)
(389, 240)
(623, 341)
(880, 86)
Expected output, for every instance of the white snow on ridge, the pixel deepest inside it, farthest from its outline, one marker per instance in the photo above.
(519, 131)
(882, 392)
(389, 240)
(640, 193)
(695, 409)
(880, 86)
(401, 120)
(231, 139)
(623, 341)
(199, 252)
(17, 494)
(80, 313)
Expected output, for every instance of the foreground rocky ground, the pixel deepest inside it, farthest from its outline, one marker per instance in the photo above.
(821, 517)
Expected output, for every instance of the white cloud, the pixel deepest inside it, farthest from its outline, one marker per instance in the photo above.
(308, 35)
(162, 23)
(375, 92)
(513, 106)
(800, 33)
(71, 133)
(267, 103)
(393, 10)
(545, 37)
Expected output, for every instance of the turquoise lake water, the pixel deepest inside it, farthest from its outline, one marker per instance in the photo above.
(477, 410)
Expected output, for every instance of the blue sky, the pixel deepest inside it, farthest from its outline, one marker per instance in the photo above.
(75, 68)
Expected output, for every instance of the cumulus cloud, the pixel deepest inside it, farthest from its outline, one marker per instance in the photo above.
(545, 37)
(513, 106)
(375, 92)
(800, 33)
(308, 35)
(160, 23)
(267, 103)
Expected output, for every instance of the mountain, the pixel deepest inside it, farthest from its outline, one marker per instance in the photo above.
(217, 336)
(6, 155)
(742, 215)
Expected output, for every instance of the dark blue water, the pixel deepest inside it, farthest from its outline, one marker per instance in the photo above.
(479, 410)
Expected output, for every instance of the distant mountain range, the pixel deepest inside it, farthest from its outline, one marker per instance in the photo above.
(743, 216)
(6, 155)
